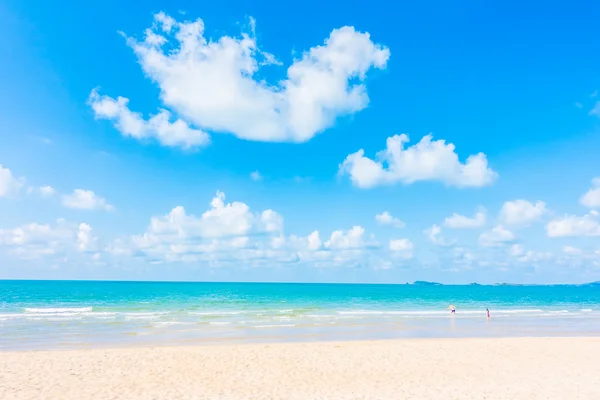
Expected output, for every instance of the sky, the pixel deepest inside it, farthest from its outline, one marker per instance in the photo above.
(454, 142)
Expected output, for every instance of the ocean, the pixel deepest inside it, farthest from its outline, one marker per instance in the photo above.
(75, 314)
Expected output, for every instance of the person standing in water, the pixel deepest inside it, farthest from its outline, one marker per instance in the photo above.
(488, 313)
(452, 309)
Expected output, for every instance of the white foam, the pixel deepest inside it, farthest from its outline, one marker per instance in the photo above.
(425, 313)
(145, 314)
(59, 310)
(41, 315)
(170, 323)
(219, 323)
(273, 326)
(216, 313)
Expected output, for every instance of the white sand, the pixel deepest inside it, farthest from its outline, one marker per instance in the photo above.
(445, 369)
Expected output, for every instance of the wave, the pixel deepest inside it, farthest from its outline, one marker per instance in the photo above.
(59, 310)
(435, 312)
(215, 313)
(273, 326)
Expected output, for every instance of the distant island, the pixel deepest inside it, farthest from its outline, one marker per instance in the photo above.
(425, 283)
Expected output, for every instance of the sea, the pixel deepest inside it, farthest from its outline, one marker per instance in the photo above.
(52, 315)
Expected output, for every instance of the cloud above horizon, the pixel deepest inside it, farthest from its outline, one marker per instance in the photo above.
(428, 160)
(212, 85)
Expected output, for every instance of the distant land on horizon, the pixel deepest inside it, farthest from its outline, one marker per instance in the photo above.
(415, 283)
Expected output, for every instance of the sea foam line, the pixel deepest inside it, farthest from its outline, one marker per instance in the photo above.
(59, 310)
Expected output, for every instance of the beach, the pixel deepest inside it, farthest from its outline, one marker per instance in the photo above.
(445, 369)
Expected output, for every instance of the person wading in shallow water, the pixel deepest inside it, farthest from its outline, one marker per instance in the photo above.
(452, 309)
(488, 314)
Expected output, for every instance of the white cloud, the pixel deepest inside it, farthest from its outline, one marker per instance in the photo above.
(351, 239)
(85, 200)
(535, 257)
(403, 247)
(314, 241)
(522, 212)
(220, 220)
(230, 234)
(596, 109)
(385, 218)
(434, 234)
(571, 250)
(222, 229)
(496, 237)
(213, 84)
(9, 185)
(34, 240)
(591, 198)
(516, 250)
(255, 176)
(158, 127)
(86, 241)
(457, 221)
(428, 160)
(571, 225)
(47, 191)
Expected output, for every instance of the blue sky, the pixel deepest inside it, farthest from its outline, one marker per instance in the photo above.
(293, 94)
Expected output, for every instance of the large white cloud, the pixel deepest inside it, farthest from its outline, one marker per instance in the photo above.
(498, 236)
(86, 200)
(9, 185)
(591, 198)
(457, 221)
(428, 160)
(35, 240)
(214, 84)
(522, 212)
(571, 225)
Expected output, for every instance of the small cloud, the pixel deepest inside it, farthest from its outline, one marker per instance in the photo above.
(457, 221)
(498, 236)
(47, 191)
(86, 200)
(571, 250)
(434, 234)
(596, 109)
(578, 105)
(9, 184)
(256, 176)
(385, 218)
(301, 179)
(594, 93)
(402, 247)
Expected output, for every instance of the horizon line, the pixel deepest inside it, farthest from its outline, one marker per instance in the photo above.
(415, 283)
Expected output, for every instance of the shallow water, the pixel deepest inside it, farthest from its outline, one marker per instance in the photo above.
(68, 314)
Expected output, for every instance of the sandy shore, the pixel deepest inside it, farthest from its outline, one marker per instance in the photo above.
(445, 369)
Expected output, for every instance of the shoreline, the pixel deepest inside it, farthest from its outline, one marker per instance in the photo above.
(419, 368)
(282, 341)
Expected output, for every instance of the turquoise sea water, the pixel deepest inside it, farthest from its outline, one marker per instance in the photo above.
(67, 314)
